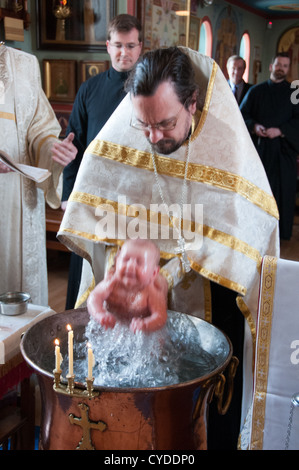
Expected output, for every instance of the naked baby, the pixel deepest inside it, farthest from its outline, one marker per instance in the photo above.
(133, 290)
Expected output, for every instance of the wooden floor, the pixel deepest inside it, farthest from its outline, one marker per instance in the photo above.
(58, 266)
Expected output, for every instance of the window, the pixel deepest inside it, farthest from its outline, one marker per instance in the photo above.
(206, 38)
(245, 53)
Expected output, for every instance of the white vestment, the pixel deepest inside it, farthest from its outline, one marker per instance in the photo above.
(225, 174)
(27, 131)
(273, 423)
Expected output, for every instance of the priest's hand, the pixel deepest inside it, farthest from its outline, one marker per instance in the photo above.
(64, 152)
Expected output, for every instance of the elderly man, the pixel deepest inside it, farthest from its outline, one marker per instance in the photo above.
(172, 140)
(236, 66)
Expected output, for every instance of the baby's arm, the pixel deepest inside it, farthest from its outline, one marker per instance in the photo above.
(157, 303)
(95, 302)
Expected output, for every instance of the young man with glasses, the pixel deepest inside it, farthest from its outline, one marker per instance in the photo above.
(175, 140)
(96, 100)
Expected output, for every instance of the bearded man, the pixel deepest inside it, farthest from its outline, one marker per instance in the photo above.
(178, 138)
(272, 118)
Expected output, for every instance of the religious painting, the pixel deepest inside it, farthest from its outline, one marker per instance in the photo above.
(90, 68)
(16, 10)
(227, 39)
(60, 80)
(289, 42)
(164, 23)
(63, 112)
(68, 25)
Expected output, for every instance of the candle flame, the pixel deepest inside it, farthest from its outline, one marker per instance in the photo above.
(63, 2)
(88, 345)
(56, 342)
(68, 327)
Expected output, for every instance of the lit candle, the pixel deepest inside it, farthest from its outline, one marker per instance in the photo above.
(58, 356)
(71, 349)
(90, 361)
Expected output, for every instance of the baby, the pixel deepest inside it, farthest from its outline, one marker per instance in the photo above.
(133, 289)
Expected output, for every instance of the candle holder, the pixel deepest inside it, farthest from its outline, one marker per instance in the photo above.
(70, 388)
(70, 384)
(89, 386)
(57, 374)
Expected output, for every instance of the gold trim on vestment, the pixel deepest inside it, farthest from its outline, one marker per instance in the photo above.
(223, 281)
(248, 316)
(209, 232)
(168, 277)
(207, 102)
(263, 348)
(195, 266)
(8, 116)
(196, 173)
(41, 143)
(207, 299)
(83, 298)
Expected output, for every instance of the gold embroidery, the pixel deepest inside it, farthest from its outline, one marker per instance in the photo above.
(168, 278)
(223, 281)
(208, 299)
(85, 296)
(263, 347)
(8, 116)
(41, 144)
(111, 252)
(248, 316)
(196, 172)
(207, 102)
(209, 232)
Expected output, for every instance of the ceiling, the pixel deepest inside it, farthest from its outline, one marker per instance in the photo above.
(270, 9)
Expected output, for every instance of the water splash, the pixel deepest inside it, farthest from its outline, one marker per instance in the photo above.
(169, 356)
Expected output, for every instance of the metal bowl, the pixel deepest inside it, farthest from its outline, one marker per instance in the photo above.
(14, 303)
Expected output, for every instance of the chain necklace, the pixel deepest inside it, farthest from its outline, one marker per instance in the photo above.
(294, 403)
(181, 249)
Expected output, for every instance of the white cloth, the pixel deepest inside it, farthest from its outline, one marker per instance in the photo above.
(225, 175)
(276, 377)
(12, 328)
(28, 128)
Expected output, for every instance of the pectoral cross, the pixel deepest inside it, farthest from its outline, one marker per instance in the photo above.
(87, 425)
(181, 249)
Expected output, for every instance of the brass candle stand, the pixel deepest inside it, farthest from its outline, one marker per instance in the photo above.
(71, 389)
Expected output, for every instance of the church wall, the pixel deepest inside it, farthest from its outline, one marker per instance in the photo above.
(263, 41)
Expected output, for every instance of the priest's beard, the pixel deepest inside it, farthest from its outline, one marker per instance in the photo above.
(166, 146)
(169, 145)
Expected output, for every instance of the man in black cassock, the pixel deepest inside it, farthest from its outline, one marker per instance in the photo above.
(272, 118)
(96, 100)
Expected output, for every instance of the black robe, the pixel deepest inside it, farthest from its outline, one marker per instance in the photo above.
(96, 100)
(273, 105)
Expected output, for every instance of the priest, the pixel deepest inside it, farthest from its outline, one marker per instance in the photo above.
(29, 134)
(175, 140)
